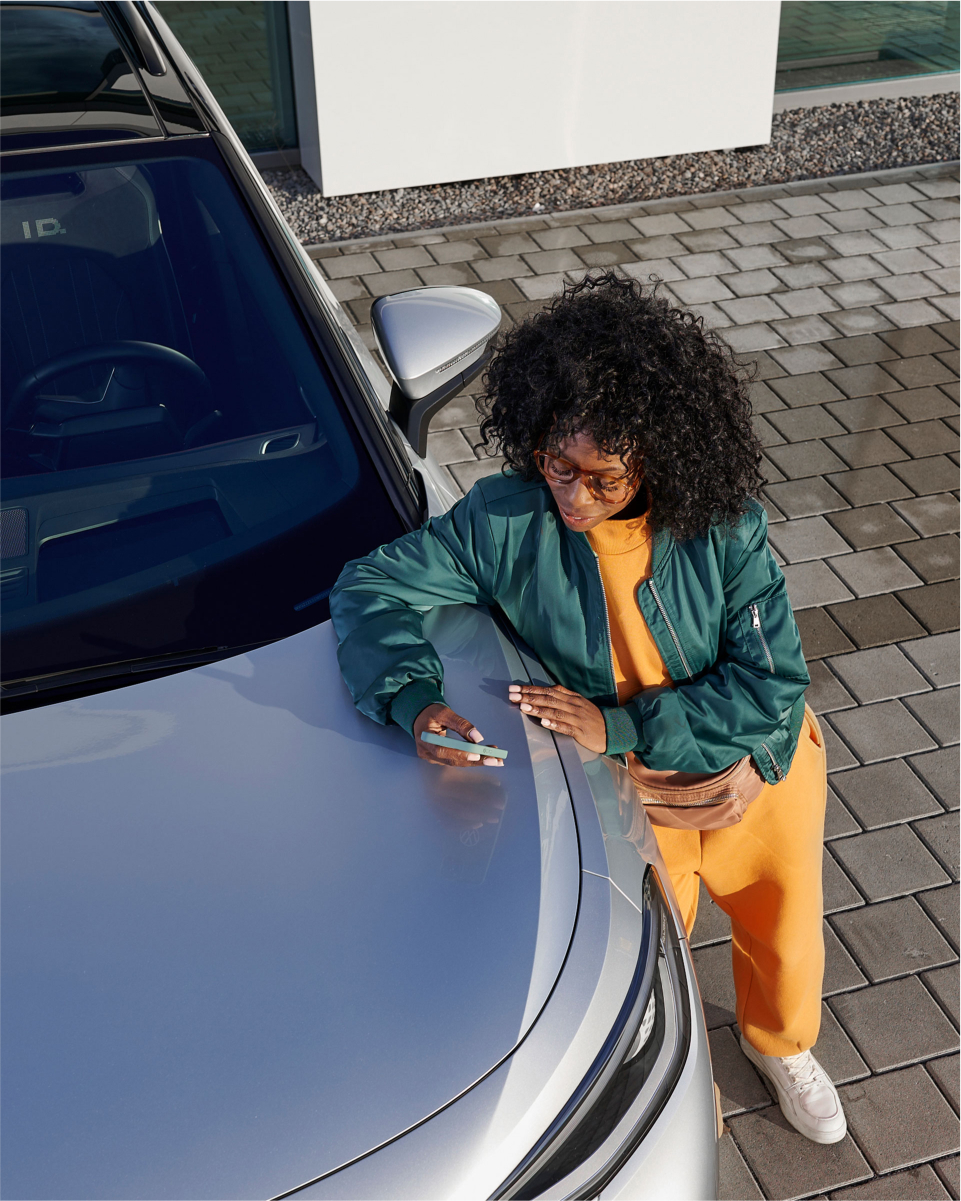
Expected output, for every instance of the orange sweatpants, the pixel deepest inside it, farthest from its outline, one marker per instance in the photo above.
(765, 873)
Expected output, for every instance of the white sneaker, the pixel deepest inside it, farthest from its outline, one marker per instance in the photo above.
(808, 1099)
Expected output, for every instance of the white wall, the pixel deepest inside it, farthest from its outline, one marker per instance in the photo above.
(430, 91)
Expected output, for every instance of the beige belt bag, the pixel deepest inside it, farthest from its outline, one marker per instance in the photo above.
(687, 801)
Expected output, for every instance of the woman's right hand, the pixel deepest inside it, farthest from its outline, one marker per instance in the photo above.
(438, 719)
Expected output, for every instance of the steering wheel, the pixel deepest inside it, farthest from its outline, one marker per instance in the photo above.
(88, 356)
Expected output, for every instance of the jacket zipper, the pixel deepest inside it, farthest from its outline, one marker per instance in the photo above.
(774, 762)
(667, 621)
(756, 623)
(607, 624)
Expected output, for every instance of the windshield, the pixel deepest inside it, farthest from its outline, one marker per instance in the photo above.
(164, 414)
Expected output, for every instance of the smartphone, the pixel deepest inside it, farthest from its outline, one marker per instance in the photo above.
(474, 748)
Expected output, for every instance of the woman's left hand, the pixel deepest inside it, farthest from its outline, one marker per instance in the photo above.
(564, 711)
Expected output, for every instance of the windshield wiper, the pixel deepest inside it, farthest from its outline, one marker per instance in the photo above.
(77, 677)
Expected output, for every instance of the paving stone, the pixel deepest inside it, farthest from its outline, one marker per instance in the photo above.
(922, 438)
(805, 302)
(450, 446)
(931, 515)
(874, 525)
(508, 267)
(351, 287)
(806, 538)
(712, 924)
(763, 399)
(508, 245)
(855, 197)
(935, 606)
(937, 656)
(662, 223)
(835, 1052)
(884, 794)
(805, 359)
(864, 413)
(805, 497)
(766, 434)
(735, 1182)
(869, 572)
(882, 731)
(899, 262)
(547, 262)
(854, 243)
(864, 380)
(901, 214)
(802, 424)
(913, 1184)
(904, 313)
(663, 247)
(752, 309)
(804, 227)
(825, 693)
(813, 583)
(700, 240)
(867, 348)
(941, 834)
(853, 219)
(349, 264)
(388, 282)
(769, 473)
(868, 485)
(712, 966)
(820, 636)
(809, 389)
(409, 256)
(798, 459)
(893, 938)
(839, 894)
(756, 234)
(740, 1085)
(750, 258)
(910, 342)
(944, 1072)
(839, 756)
(939, 770)
(788, 1165)
(539, 287)
(933, 559)
(895, 1024)
(745, 338)
(914, 286)
(881, 673)
(801, 206)
(448, 273)
(920, 372)
(938, 187)
(752, 283)
(467, 474)
(504, 291)
(857, 266)
(895, 193)
(608, 254)
(899, 1118)
(948, 1174)
(875, 621)
(931, 475)
(838, 822)
(700, 291)
(890, 862)
(856, 294)
(710, 218)
(866, 448)
(947, 255)
(796, 331)
(943, 984)
(850, 322)
(941, 905)
(649, 269)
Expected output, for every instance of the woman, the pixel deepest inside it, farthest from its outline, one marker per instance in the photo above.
(625, 546)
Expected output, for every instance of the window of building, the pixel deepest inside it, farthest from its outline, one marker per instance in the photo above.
(243, 52)
(824, 43)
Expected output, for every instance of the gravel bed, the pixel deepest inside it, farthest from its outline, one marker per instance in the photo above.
(806, 143)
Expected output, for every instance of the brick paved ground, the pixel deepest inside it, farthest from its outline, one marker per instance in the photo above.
(845, 293)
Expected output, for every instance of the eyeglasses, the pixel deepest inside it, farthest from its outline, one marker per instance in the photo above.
(611, 489)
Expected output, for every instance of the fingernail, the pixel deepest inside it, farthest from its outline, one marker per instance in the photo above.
(473, 758)
(476, 736)
(545, 722)
(526, 707)
(513, 687)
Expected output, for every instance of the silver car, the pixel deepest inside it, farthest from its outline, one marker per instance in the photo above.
(252, 945)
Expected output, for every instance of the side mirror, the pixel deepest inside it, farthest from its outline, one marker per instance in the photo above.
(434, 341)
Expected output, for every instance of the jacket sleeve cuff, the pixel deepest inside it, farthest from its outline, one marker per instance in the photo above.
(411, 699)
(621, 731)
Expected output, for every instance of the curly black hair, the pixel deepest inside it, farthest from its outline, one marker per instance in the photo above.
(646, 381)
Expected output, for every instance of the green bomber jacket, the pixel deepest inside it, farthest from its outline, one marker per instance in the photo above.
(716, 606)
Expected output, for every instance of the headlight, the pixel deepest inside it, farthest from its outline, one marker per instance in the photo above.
(630, 1080)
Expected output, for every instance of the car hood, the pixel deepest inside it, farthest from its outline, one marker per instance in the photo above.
(248, 935)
